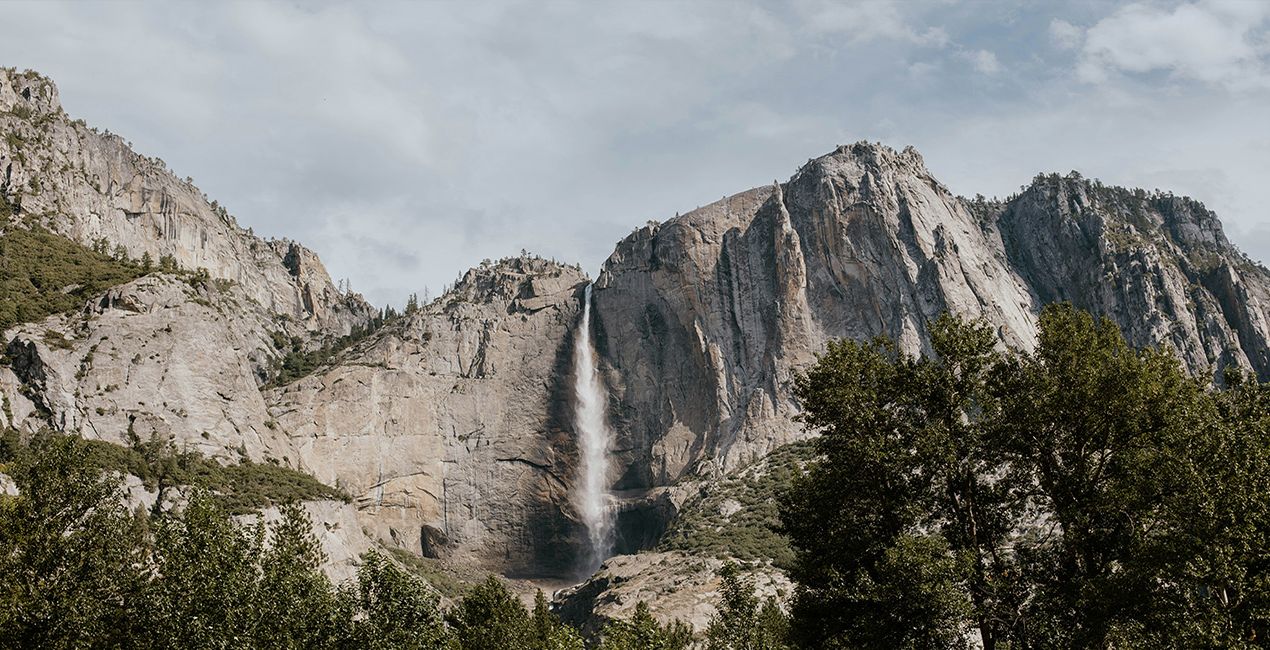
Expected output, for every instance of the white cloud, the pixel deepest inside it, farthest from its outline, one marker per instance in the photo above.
(865, 21)
(406, 142)
(1213, 42)
(1064, 34)
(985, 62)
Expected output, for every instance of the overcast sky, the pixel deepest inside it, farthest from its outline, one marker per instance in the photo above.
(407, 142)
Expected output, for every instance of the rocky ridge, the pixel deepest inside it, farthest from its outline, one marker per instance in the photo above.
(706, 317)
(90, 186)
(181, 359)
(452, 428)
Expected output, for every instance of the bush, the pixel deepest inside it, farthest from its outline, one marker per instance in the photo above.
(750, 533)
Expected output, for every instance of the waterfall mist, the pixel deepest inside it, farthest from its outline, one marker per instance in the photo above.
(594, 440)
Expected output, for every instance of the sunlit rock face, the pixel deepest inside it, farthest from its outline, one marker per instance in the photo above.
(705, 318)
(1158, 265)
(164, 355)
(90, 186)
(453, 429)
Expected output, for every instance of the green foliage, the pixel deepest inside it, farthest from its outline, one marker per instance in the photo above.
(882, 525)
(400, 610)
(43, 274)
(68, 556)
(751, 532)
(299, 361)
(546, 632)
(740, 623)
(301, 608)
(208, 591)
(451, 580)
(643, 632)
(1083, 495)
(1147, 473)
(239, 489)
(490, 618)
(77, 571)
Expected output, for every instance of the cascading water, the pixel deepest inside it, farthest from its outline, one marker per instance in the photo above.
(594, 440)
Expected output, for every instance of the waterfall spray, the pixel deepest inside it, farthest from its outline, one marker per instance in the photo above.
(594, 436)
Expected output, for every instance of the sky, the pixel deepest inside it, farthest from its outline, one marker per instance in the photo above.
(407, 142)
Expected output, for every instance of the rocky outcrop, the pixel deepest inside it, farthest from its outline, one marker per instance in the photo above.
(178, 355)
(674, 585)
(1158, 265)
(90, 186)
(158, 356)
(7, 486)
(705, 318)
(451, 428)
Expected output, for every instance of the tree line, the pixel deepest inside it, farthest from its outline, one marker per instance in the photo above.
(1082, 495)
(78, 569)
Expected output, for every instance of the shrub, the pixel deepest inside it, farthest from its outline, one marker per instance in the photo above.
(43, 274)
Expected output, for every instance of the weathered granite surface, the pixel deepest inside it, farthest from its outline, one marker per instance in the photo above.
(706, 317)
(453, 427)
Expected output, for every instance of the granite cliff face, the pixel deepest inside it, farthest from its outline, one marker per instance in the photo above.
(91, 186)
(154, 357)
(167, 354)
(706, 316)
(1157, 264)
(452, 426)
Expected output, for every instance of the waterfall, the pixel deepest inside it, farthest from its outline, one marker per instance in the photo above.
(594, 439)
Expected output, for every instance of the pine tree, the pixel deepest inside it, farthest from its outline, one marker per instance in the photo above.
(394, 610)
(547, 632)
(643, 632)
(490, 618)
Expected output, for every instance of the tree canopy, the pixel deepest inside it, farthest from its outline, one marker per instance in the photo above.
(1085, 494)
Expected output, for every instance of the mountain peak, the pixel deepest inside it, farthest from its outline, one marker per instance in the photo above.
(1153, 214)
(522, 276)
(28, 92)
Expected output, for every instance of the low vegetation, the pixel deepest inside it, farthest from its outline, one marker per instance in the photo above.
(737, 517)
(238, 488)
(43, 274)
(298, 359)
(450, 581)
(79, 570)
